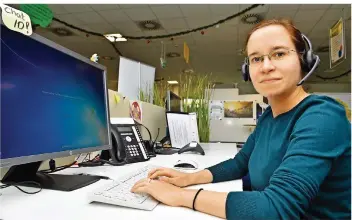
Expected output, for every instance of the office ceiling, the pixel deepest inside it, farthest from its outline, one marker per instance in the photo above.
(216, 51)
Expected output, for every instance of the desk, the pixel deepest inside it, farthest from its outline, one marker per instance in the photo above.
(55, 205)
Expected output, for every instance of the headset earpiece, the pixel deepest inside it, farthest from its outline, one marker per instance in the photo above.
(310, 60)
(245, 71)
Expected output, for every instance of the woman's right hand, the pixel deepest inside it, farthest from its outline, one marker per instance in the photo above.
(172, 176)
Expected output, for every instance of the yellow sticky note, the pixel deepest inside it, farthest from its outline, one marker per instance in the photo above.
(117, 98)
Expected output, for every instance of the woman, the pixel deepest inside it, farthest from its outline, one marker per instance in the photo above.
(298, 157)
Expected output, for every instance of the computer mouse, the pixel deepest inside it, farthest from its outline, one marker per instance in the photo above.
(186, 164)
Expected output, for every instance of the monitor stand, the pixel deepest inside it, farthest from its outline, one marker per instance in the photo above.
(21, 175)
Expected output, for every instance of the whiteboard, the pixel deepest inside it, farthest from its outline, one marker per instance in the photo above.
(129, 78)
(147, 76)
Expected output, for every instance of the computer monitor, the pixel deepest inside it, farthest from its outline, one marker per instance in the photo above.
(173, 102)
(54, 103)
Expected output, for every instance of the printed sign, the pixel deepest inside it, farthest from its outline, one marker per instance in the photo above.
(216, 110)
(16, 20)
(337, 44)
(39, 14)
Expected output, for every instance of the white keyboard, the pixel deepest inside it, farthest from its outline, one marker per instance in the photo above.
(118, 192)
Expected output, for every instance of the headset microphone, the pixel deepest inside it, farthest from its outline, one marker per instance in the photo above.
(317, 61)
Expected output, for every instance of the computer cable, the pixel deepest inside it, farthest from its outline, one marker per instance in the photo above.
(100, 162)
(22, 190)
(58, 168)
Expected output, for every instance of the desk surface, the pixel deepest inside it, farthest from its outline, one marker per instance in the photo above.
(49, 204)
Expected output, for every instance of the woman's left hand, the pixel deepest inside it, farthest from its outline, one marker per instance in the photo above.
(160, 190)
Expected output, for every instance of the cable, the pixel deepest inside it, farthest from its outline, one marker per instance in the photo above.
(22, 190)
(58, 168)
(150, 135)
(100, 162)
(334, 77)
(4, 186)
(156, 138)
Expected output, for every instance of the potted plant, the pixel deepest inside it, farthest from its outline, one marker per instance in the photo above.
(196, 91)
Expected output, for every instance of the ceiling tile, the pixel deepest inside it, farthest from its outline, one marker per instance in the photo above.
(305, 27)
(140, 14)
(167, 11)
(208, 35)
(224, 9)
(77, 8)
(104, 7)
(324, 25)
(156, 5)
(198, 22)
(126, 26)
(175, 30)
(314, 6)
(179, 40)
(226, 34)
(90, 17)
(308, 15)
(258, 9)
(195, 10)
(101, 28)
(244, 29)
(281, 14)
(70, 19)
(332, 14)
(133, 33)
(113, 16)
(283, 7)
(177, 23)
(339, 5)
(155, 33)
(231, 22)
(58, 9)
(132, 6)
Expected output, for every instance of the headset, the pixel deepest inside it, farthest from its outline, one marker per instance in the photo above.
(309, 64)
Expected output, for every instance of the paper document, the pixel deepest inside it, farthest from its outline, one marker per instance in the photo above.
(183, 128)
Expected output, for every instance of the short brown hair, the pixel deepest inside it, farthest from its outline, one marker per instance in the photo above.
(295, 34)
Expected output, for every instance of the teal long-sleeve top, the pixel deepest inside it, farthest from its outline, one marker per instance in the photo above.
(299, 165)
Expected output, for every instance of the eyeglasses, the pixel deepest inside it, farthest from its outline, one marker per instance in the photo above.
(275, 55)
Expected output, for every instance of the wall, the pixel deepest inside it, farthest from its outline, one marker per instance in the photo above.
(154, 118)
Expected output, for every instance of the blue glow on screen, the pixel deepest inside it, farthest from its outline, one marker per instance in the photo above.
(50, 101)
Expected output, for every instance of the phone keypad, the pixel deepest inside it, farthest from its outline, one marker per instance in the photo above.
(132, 149)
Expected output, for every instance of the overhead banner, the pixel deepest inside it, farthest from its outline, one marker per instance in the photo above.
(337, 43)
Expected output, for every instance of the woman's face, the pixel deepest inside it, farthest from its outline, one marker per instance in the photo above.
(279, 75)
